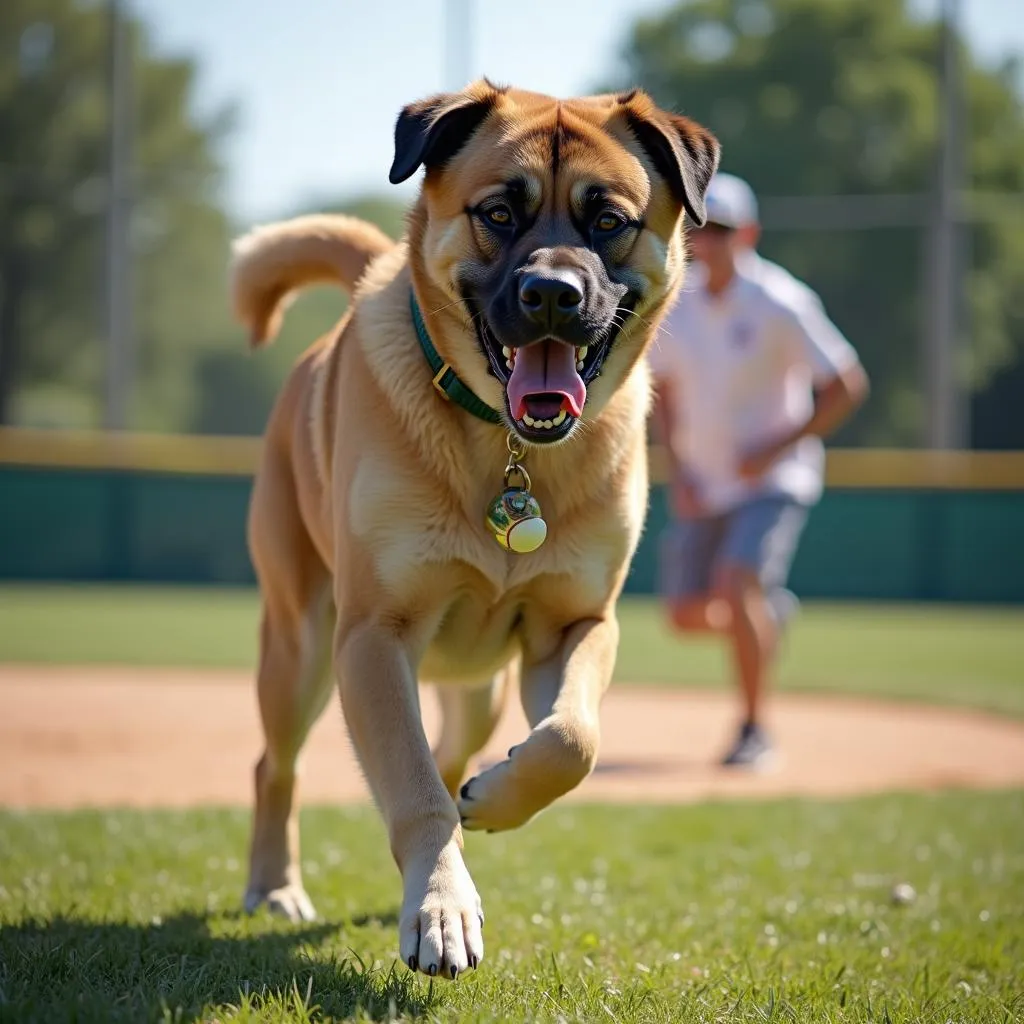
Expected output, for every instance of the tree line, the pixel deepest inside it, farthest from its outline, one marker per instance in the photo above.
(810, 98)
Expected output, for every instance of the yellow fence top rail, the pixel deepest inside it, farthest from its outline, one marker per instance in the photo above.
(239, 456)
(150, 453)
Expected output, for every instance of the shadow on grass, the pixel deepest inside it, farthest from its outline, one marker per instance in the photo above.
(385, 919)
(68, 969)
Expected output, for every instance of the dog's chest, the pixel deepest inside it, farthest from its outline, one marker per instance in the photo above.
(409, 527)
(484, 626)
(474, 639)
(431, 560)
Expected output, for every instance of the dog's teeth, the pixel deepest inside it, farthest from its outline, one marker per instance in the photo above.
(581, 352)
(579, 365)
(544, 424)
(506, 351)
(510, 364)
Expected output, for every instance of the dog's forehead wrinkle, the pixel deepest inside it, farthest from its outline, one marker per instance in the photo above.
(553, 153)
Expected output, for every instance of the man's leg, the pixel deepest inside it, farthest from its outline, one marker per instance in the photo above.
(750, 574)
(687, 552)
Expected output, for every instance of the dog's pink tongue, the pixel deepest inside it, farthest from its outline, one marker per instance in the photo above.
(546, 367)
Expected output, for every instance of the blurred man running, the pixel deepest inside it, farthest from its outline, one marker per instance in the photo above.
(750, 376)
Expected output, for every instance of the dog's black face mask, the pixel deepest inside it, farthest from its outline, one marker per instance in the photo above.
(547, 312)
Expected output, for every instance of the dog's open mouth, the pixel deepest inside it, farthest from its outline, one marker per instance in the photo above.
(545, 382)
(545, 389)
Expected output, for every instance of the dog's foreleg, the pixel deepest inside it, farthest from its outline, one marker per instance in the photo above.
(561, 697)
(440, 926)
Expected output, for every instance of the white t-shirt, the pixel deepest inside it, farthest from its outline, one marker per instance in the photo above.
(742, 367)
(778, 280)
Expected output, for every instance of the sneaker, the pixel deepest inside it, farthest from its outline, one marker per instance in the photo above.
(752, 748)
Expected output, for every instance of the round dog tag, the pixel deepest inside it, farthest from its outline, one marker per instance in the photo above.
(515, 519)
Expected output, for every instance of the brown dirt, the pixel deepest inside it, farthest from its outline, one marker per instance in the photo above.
(73, 736)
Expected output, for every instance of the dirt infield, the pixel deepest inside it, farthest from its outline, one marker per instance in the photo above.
(101, 737)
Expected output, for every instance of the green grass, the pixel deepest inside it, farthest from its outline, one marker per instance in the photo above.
(740, 912)
(972, 656)
(963, 655)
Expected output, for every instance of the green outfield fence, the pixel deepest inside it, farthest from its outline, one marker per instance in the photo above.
(893, 525)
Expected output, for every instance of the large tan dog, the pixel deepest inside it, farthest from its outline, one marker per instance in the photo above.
(545, 245)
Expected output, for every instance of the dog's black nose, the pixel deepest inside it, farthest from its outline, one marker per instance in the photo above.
(552, 297)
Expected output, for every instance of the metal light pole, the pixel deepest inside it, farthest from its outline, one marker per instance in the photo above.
(458, 44)
(119, 207)
(947, 418)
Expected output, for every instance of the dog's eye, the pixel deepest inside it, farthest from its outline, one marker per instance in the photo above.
(608, 221)
(499, 216)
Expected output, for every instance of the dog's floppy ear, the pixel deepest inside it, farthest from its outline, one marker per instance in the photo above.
(683, 152)
(432, 131)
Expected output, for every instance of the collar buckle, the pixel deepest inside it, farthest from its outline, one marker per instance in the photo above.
(437, 381)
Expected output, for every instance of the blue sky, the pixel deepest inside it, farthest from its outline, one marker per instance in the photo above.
(319, 82)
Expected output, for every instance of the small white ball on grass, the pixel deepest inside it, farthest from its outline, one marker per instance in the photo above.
(903, 894)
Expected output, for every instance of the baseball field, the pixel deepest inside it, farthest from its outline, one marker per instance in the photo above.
(876, 874)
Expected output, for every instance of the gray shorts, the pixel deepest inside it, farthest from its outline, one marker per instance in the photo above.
(761, 535)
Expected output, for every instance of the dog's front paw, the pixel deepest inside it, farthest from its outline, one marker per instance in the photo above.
(496, 800)
(555, 758)
(441, 926)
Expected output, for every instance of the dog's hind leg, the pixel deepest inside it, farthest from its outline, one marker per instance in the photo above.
(469, 716)
(294, 683)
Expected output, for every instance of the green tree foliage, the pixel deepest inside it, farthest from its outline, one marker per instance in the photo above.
(191, 368)
(832, 97)
(53, 194)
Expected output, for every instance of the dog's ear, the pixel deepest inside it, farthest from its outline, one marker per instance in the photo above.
(683, 152)
(432, 131)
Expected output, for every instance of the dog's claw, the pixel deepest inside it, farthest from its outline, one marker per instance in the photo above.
(412, 963)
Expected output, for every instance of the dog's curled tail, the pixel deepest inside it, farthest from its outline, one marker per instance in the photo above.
(272, 263)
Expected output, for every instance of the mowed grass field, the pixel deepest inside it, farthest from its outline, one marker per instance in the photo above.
(741, 911)
(755, 912)
(963, 655)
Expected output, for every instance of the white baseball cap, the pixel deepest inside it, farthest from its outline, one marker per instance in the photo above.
(730, 201)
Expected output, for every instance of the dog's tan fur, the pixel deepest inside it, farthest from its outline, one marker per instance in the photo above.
(367, 517)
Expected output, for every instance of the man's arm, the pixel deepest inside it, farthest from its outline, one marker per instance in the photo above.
(835, 401)
(664, 417)
(841, 386)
